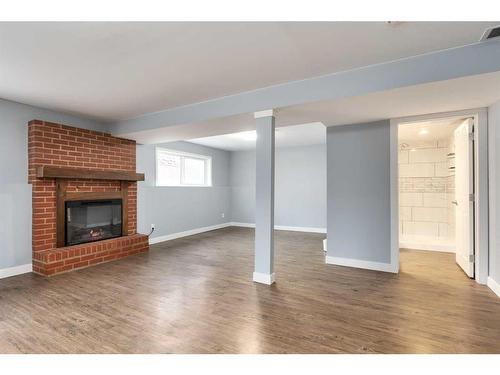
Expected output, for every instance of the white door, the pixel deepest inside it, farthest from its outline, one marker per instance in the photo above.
(464, 188)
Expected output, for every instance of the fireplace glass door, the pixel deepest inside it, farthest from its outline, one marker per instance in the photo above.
(88, 221)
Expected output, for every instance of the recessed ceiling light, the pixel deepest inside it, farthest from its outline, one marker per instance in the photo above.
(423, 131)
(245, 136)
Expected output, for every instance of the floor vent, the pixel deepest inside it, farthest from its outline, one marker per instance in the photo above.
(493, 32)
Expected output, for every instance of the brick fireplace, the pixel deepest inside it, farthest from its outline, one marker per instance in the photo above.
(66, 165)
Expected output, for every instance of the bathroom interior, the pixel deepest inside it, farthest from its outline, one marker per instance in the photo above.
(429, 174)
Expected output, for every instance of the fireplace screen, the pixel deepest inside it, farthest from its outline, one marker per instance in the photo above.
(88, 221)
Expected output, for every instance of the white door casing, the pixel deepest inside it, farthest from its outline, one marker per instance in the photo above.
(464, 190)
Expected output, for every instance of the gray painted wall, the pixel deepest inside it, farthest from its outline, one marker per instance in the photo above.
(494, 178)
(15, 192)
(242, 181)
(300, 186)
(358, 192)
(178, 209)
(300, 198)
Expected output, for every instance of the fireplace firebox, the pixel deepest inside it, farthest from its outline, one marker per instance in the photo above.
(92, 220)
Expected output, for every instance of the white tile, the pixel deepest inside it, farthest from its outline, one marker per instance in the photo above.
(403, 157)
(443, 230)
(451, 230)
(416, 170)
(437, 215)
(405, 185)
(442, 170)
(423, 144)
(451, 214)
(405, 213)
(411, 199)
(429, 155)
(443, 143)
(435, 200)
(420, 228)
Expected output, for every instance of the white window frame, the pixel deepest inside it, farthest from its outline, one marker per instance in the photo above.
(183, 155)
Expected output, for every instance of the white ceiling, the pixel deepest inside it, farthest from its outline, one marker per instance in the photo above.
(299, 135)
(452, 95)
(115, 71)
(436, 130)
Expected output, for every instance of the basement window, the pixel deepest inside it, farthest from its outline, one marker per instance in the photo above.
(176, 168)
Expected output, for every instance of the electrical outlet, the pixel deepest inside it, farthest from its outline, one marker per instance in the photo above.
(223, 215)
(152, 227)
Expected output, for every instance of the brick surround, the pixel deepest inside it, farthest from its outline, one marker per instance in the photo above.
(64, 146)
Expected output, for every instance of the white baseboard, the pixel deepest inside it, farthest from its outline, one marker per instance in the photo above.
(244, 225)
(300, 229)
(17, 270)
(264, 278)
(186, 233)
(356, 263)
(283, 227)
(428, 247)
(173, 236)
(494, 286)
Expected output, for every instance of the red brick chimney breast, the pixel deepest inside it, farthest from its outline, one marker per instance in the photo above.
(51, 144)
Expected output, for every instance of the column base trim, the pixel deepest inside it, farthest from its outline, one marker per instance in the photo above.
(282, 227)
(356, 263)
(264, 278)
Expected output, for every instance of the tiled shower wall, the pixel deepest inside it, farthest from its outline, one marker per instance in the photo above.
(426, 189)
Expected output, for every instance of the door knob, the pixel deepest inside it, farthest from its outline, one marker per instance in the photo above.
(455, 203)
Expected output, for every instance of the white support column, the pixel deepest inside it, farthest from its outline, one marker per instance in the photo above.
(264, 198)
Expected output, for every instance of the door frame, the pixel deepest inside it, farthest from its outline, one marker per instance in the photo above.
(481, 203)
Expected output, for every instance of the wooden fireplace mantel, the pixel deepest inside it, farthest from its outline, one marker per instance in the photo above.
(63, 174)
(48, 171)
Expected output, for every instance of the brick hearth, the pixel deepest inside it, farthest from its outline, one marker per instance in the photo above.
(51, 144)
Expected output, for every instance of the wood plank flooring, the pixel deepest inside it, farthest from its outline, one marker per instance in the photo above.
(195, 295)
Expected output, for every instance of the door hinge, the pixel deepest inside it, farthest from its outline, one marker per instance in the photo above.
(472, 198)
(472, 258)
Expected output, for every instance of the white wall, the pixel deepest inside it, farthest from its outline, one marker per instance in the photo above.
(494, 193)
(426, 187)
(15, 192)
(300, 186)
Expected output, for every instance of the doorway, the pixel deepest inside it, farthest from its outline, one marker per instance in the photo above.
(438, 178)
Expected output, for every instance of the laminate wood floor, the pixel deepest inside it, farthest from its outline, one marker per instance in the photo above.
(195, 295)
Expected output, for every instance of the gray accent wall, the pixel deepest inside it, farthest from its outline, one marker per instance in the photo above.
(177, 209)
(300, 186)
(358, 192)
(494, 180)
(300, 190)
(15, 192)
